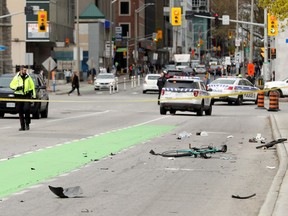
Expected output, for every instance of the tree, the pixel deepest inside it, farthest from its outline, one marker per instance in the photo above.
(278, 8)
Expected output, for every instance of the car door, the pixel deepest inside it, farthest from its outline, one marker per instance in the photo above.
(41, 92)
(248, 87)
(207, 101)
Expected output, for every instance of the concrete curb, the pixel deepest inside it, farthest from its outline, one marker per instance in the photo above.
(274, 202)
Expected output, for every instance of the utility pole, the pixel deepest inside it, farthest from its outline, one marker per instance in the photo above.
(237, 26)
(251, 33)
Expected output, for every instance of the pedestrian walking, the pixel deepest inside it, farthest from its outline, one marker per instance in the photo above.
(75, 83)
(160, 83)
(68, 75)
(24, 88)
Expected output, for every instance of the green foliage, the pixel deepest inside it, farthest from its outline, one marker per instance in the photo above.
(278, 8)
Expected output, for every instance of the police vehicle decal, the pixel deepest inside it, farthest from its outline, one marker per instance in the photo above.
(179, 89)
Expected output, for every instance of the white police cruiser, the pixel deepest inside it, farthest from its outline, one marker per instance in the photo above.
(185, 94)
(232, 90)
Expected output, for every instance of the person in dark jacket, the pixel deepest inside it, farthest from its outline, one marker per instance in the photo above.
(160, 83)
(75, 83)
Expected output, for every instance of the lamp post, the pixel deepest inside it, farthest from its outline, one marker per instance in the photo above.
(110, 33)
(137, 11)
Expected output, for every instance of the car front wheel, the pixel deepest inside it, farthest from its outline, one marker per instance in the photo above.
(209, 111)
(44, 113)
(2, 115)
(200, 111)
(163, 111)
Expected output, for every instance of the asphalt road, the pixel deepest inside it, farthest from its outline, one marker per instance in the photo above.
(101, 142)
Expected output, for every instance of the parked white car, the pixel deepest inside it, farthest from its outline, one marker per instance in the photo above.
(150, 83)
(281, 86)
(104, 81)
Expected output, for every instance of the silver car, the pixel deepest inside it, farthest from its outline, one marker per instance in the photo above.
(105, 81)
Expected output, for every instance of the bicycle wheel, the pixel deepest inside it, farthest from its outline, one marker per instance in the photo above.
(176, 153)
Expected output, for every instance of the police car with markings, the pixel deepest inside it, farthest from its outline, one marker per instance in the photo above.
(233, 90)
(185, 94)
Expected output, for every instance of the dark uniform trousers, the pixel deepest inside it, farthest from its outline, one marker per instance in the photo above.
(23, 108)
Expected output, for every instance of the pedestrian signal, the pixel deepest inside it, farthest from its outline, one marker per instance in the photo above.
(176, 16)
(251, 69)
(42, 21)
(273, 53)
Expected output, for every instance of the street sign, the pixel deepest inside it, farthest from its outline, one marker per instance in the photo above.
(225, 20)
(118, 33)
(237, 42)
(29, 59)
(49, 64)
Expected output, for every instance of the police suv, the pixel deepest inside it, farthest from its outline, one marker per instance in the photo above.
(233, 90)
(185, 94)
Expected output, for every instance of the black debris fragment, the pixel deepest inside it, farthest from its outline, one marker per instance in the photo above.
(153, 153)
(272, 143)
(67, 192)
(243, 197)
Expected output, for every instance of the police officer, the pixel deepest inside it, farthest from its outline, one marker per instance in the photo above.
(24, 88)
(160, 83)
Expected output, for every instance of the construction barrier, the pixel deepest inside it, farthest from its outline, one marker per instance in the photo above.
(260, 100)
(273, 101)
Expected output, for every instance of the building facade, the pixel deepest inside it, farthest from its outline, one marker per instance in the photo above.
(30, 47)
(5, 38)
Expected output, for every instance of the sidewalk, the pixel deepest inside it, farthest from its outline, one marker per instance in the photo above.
(62, 87)
(277, 197)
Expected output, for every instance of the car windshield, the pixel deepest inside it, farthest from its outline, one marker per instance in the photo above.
(105, 76)
(180, 84)
(223, 81)
(5, 81)
(152, 77)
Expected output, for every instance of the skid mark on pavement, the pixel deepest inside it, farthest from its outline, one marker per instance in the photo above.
(26, 170)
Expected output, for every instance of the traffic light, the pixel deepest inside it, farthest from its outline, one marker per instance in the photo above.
(42, 21)
(159, 34)
(217, 21)
(230, 34)
(263, 52)
(176, 16)
(273, 53)
(155, 37)
(272, 25)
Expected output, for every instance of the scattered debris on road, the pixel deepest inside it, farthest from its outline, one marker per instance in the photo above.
(71, 192)
(269, 167)
(202, 133)
(184, 134)
(272, 143)
(243, 197)
(258, 138)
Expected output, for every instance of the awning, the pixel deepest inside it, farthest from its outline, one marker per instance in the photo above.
(121, 49)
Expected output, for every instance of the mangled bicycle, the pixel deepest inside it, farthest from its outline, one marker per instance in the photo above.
(204, 152)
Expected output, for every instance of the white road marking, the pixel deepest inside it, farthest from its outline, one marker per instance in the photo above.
(80, 116)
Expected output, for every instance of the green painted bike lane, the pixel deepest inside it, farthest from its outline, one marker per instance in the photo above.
(29, 169)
